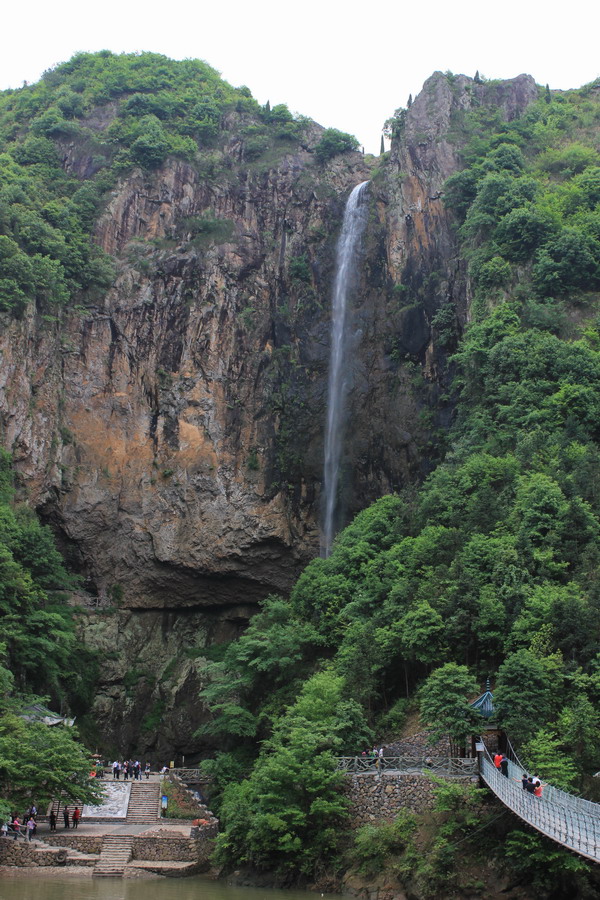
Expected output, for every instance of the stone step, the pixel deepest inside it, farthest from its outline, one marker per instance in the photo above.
(143, 803)
(114, 855)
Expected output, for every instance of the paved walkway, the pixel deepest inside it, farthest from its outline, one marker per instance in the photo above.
(100, 828)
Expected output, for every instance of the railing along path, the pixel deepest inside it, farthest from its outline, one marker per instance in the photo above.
(448, 766)
(189, 775)
(566, 819)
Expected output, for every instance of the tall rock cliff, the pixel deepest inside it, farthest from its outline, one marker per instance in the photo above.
(172, 431)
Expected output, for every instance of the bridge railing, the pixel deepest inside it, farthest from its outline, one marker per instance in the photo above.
(189, 775)
(449, 766)
(551, 793)
(569, 826)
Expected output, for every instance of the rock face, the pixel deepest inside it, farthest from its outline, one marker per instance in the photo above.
(172, 433)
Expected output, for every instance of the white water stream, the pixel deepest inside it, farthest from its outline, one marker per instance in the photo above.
(349, 242)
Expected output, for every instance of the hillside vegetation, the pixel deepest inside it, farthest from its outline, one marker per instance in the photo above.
(120, 112)
(41, 658)
(491, 569)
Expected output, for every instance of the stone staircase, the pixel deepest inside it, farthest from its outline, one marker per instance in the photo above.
(143, 803)
(78, 858)
(114, 855)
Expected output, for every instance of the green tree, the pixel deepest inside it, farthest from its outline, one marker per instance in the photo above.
(444, 699)
(579, 728)
(545, 865)
(525, 696)
(263, 665)
(39, 763)
(544, 756)
(289, 814)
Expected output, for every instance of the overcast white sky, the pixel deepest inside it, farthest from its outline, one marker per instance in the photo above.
(346, 65)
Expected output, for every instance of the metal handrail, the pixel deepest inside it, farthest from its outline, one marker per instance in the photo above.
(554, 794)
(573, 828)
(188, 774)
(447, 765)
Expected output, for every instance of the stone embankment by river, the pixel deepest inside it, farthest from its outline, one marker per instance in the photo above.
(120, 845)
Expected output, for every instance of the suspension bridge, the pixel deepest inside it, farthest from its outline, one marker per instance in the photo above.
(569, 820)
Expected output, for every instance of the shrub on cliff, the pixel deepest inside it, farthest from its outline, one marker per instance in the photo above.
(380, 845)
(37, 631)
(334, 142)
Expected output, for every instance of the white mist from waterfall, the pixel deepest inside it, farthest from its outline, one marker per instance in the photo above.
(349, 242)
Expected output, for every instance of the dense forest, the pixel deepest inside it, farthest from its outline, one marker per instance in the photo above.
(488, 569)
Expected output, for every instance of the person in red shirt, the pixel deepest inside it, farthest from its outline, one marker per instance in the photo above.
(498, 760)
(76, 817)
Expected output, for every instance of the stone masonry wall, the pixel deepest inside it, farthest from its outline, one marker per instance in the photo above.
(85, 843)
(374, 798)
(20, 853)
(164, 849)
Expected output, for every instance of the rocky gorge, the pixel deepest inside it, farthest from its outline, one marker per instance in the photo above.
(171, 430)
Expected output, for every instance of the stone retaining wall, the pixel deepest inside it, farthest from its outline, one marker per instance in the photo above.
(85, 843)
(171, 849)
(21, 853)
(374, 798)
(195, 850)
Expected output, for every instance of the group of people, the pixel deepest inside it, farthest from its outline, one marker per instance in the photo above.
(530, 784)
(130, 769)
(375, 756)
(68, 818)
(26, 825)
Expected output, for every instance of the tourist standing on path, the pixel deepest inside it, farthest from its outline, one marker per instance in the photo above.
(66, 816)
(16, 826)
(76, 817)
(30, 828)
(147, 771)
(52, 820)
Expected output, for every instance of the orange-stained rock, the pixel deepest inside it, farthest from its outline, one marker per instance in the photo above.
(171, 432)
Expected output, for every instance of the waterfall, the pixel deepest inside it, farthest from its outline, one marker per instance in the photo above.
(355, 217)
